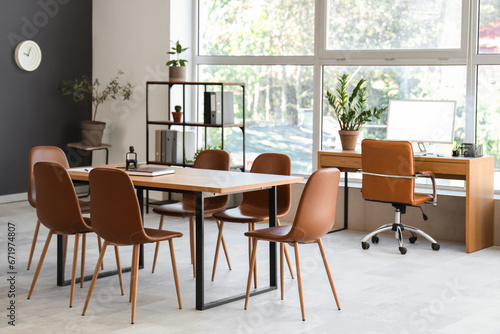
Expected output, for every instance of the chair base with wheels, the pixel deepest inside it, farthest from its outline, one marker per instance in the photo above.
(398, 229)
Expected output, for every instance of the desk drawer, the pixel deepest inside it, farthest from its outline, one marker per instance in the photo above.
(442, 168)
(339, 161)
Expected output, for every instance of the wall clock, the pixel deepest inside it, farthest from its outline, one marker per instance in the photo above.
(28, 55)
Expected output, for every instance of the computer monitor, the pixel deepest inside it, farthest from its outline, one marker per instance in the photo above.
(421, 121)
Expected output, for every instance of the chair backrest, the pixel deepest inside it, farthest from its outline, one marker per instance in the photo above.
(317, 207)
(271, 163)
(116, 215)
(43, 153)
(57, 203)
(390, 158)
(216, 160)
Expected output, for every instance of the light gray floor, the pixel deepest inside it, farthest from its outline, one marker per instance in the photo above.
(380, 291)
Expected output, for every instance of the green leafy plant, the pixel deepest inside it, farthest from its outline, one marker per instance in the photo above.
(177, 50)
(201, 149)
(350, 110)
(79, 88)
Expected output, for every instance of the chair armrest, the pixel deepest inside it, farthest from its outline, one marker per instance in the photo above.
(429, 174)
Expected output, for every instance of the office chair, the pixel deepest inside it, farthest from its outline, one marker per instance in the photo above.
(116, 218)
(207, 159)
(314, 218)
(53, 154)
(389, 176)
(254, 208)
(58, 209)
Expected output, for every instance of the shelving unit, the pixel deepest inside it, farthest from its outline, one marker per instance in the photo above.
(205, 87)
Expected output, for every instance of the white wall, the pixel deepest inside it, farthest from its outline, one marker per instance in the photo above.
(132, 36)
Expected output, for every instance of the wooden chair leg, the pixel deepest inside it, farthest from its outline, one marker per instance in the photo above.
(133, 284)
(40, 262)
(73, 270)
(99, 246)
(220, 226)
(132, 273)
(82, 262)
(33, 243)
(327, 268)
(282, 269)
(225, 252)
(119, 268)
(251, 227)
(65, 249)
(299, 279)
(96, 273)
(286, 255)
(174, 269)
(253, 258)
(157, 247)
(192, 243)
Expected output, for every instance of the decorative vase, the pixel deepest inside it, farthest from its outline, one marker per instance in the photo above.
(349, 139)
(177, 73)
(92, 132)
(177, 115)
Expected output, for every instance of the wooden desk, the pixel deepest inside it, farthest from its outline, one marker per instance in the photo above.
(208, 183)
(478, 176)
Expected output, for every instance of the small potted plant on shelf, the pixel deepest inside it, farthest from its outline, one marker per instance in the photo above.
(350, 110)
(80, 88)
(177, 114)
(177, 67)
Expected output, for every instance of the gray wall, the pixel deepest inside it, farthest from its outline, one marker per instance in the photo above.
(32, 111)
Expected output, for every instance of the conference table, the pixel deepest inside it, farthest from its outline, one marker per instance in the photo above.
(202, 183)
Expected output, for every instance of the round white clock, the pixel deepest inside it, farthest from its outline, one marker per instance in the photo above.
(28, 55)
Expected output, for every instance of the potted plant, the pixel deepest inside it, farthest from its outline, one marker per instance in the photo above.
(80, 88)
(177, 114)
(177, 67)
(350, 110)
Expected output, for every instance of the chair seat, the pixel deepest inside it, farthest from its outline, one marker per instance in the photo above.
(159, 235)
(84, 206)
(186, 209)
(276, 233)
(245, 214)
(421, 198)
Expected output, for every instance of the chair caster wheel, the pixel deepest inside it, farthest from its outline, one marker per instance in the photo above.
(435, 247)
(365, 245)
(375, 239)
(402, 250)
(412, 240)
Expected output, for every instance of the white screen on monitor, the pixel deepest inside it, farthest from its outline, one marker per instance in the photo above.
(421, 121)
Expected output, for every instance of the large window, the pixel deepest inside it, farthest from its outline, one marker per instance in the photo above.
(393, 24)
(290, 52)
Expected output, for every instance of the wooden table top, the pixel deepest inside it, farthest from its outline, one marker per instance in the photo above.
(200, 180)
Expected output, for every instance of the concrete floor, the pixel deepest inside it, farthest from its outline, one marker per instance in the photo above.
(380, 290)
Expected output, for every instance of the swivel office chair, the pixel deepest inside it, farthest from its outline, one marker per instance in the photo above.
(389, 175)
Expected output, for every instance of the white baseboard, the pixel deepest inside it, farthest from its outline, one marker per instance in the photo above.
(13, 198)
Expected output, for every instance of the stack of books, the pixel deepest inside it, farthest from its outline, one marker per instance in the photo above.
(170, 145)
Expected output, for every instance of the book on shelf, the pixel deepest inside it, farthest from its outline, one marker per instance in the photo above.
(170, 146)
(213, 105)
(148, 170)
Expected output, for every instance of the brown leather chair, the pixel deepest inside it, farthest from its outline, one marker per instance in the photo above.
(314, 218)
(208, 159)
(53, 154)
(254, 207)
(389, 175)
(58, 209)
(116, 218)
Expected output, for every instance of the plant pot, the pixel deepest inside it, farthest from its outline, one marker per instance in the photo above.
(177, 115)
(92, 132)
(348, 139)
(177, 73)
